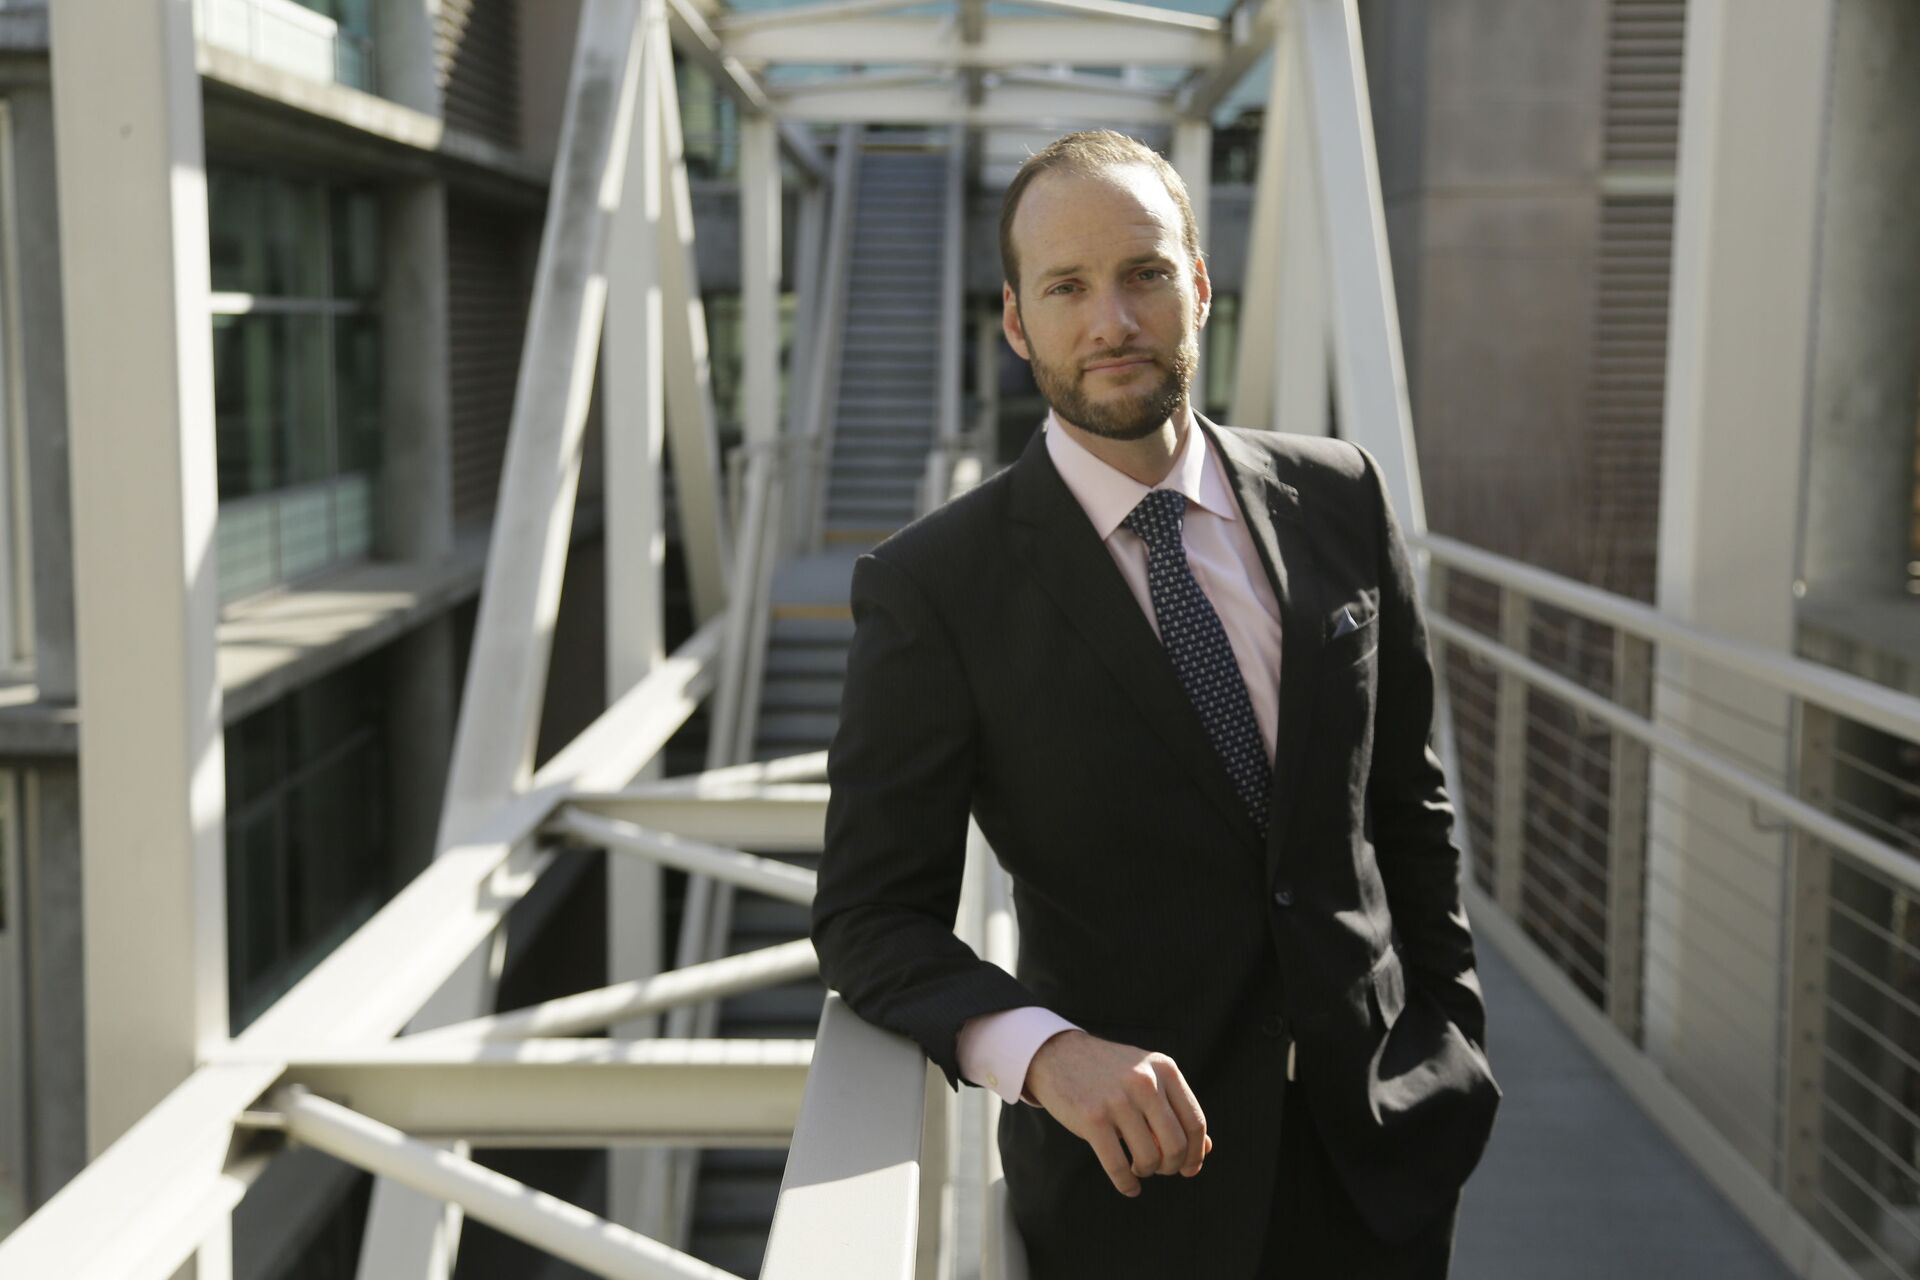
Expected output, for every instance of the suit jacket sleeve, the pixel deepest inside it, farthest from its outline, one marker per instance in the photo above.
(1407, 798)
(901, 768)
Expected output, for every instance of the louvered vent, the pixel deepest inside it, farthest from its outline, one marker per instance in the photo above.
(1633, 259)
(1627, 388)
(487, 315)
(477, 59)
(1644, 52)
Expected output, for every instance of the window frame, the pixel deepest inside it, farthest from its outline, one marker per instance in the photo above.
(330, 309)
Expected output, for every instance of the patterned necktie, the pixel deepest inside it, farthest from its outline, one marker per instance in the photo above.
(1191, 632)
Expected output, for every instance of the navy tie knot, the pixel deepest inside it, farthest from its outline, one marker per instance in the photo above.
(1158, 517)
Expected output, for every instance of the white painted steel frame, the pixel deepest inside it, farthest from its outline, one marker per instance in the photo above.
(567, 1232)
(1005, 42)
(135, 281)
(569, 1092)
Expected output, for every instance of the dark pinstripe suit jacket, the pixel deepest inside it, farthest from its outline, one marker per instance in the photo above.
(1000, 665)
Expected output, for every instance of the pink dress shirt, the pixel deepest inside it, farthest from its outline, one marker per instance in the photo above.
(995, 1049)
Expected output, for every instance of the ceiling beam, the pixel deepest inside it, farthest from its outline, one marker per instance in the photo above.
(1250, 31)
(696, 40)
(1003, 42)
(944, 103)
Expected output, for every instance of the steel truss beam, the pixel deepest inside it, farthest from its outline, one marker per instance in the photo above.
(1028, 104)
(693, 36)
(729, 866)
(787, 817)
(1004, 42)
(571, 1092)
(566, 1231)
(601, 1008)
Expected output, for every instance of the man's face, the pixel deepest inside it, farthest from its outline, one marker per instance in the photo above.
(1110, 306)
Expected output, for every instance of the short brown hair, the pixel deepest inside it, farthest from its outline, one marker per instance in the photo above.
(1090, 151)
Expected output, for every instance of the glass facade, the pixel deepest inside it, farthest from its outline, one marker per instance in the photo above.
(307, 831)
(297, 367)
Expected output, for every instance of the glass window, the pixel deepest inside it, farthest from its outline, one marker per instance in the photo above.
(307, 848)
(297, 374)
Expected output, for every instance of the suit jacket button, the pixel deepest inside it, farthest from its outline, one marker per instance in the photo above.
(1274, 1026)
(1283, 896)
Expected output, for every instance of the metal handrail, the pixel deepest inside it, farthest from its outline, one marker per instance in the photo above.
(1885, 709)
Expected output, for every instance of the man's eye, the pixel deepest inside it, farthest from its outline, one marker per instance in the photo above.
(1154, 272)
(1061, 288)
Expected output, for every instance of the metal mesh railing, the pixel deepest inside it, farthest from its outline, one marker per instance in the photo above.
(1720, 850)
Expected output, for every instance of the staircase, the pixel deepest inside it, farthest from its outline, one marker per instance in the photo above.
(884, 430)
(890, 357)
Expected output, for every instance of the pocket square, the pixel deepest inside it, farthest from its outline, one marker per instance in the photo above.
(1346, 623)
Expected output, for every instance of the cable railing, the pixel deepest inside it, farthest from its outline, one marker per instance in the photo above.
(1707, 856)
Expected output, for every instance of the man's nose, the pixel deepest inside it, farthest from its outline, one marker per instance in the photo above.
(1113, 320)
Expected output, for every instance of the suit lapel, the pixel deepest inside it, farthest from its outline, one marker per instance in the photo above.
(1053, 536)
(1271, 507)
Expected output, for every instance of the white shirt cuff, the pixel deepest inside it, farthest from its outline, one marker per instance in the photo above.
(995, 1049)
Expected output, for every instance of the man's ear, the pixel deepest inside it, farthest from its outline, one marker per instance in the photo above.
(1202, 293)
(1010, 322)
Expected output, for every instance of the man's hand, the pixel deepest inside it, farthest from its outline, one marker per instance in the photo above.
(1107, 1093)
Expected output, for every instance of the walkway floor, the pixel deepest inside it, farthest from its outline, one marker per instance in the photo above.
(1578, 1183)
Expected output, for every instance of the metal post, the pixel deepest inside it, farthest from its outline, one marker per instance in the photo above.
(1510, 759)
(692, 430)
(1627, 774)
(1303, 328)
(1802, 1118)
(760, 276)
(1260, 294)
(633, 417)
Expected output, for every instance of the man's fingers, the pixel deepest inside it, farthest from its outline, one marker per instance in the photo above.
(1106, 1146)
(1139, 1138)
(1186, 1110)
(1170, 1135)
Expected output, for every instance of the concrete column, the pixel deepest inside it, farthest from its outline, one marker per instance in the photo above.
(415, 507)
(55, 1021)
(403, 38)
(1866, 337)
(133, 228)
(43, 369)
(414, 512)
(1745, 237)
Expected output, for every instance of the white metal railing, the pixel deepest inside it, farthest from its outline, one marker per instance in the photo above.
(289, 36)
(1707, 856)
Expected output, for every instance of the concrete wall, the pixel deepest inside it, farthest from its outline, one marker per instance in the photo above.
(1488, 117)
(1864, 408)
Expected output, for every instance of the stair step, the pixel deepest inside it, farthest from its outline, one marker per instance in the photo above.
(798, 730)
(799, 633)
(759, 915)
(792, 1004)
(789, 661)
(787, 693)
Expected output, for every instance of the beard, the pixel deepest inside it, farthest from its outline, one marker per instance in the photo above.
(1124, 415)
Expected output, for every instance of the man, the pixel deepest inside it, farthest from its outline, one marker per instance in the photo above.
(1178, 674)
